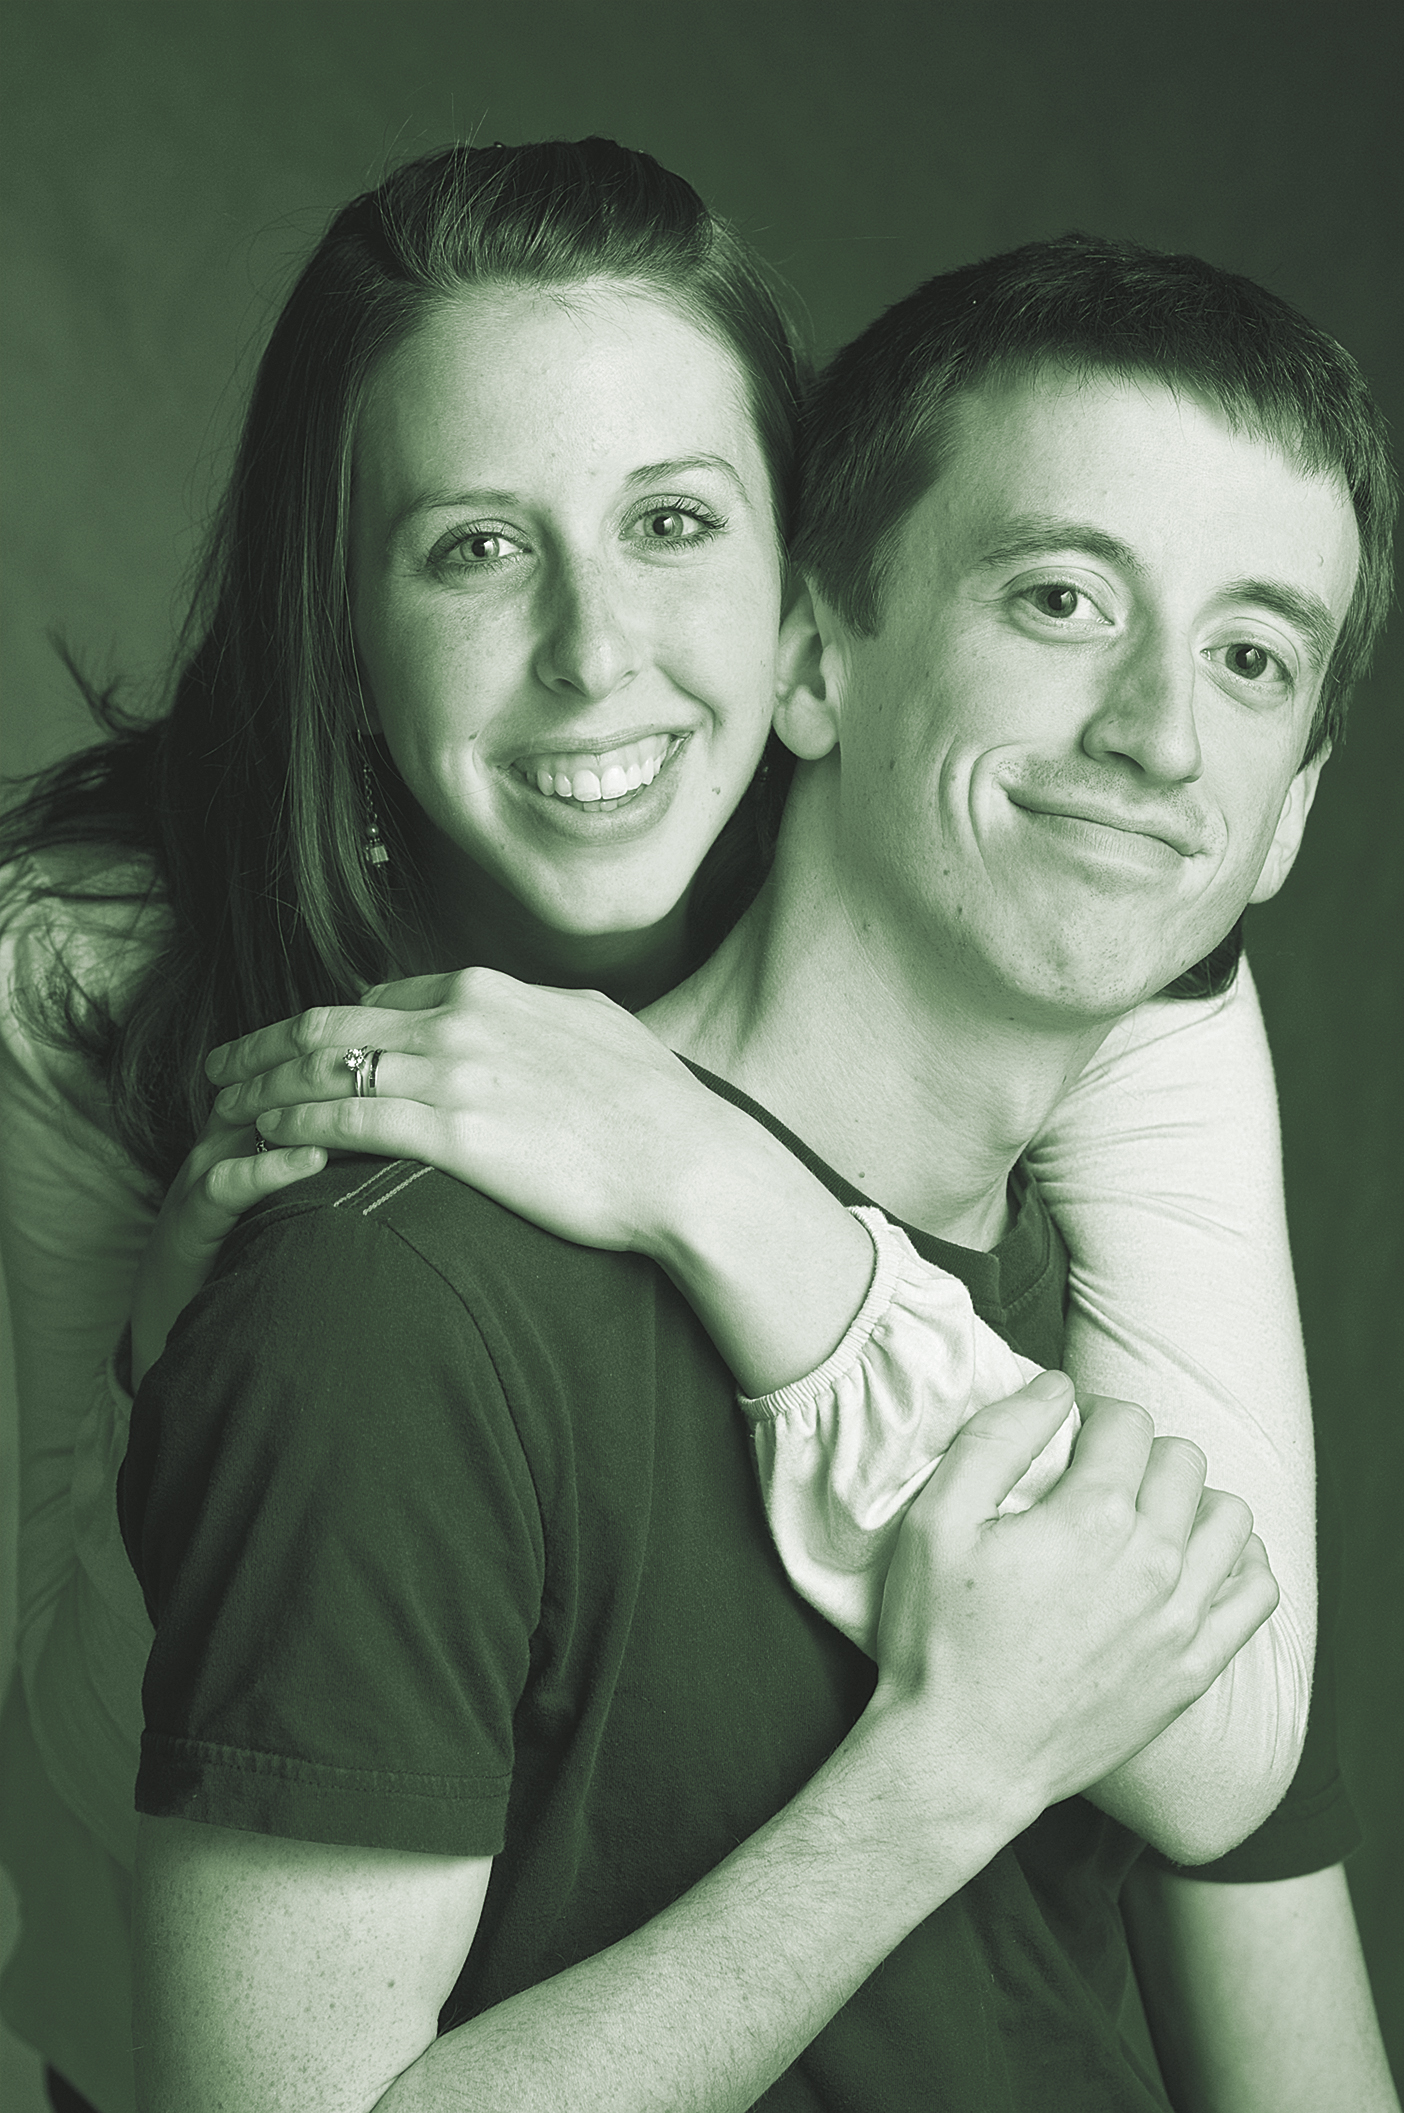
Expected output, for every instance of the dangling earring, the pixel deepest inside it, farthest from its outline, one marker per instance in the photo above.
(375, 850)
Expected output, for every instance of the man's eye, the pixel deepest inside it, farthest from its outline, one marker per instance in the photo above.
(1060, 599)
(1249, 662)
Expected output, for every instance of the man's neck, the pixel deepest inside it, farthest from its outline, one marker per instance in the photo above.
(918, 1089)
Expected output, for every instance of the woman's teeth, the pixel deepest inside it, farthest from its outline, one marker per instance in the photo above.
(590, 779)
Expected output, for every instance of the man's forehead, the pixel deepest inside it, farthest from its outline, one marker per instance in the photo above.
(1127, 467)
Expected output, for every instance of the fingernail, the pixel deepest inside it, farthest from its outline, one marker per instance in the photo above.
(1049, 1385)
(270, 1121)
(214, 1062)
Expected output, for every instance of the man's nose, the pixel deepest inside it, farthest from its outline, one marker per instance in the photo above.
(1146, 715)
(589, 641)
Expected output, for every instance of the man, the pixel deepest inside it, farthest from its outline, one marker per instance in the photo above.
(1091, 573)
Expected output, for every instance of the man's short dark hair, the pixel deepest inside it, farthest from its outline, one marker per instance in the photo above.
(880, 417)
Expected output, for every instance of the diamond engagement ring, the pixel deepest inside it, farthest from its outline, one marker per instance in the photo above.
(362, 1063)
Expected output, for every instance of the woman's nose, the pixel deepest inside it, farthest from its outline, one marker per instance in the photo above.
(589, 643)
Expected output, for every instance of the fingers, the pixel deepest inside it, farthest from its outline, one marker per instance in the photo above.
(394, 1129)
(1219, 1543)
(1110, 1457)
(234, 1184)
(1171, 1488)
(326, 1031)
(324, 1076)
(410, 993)
(339, 1027)
(1246, 1599)
(997, 1446)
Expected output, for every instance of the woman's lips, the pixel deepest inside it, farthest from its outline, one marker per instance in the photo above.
(598, 780)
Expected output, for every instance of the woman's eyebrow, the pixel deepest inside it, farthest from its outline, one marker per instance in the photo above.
(490, 499)
(669, 472)
(482, 499)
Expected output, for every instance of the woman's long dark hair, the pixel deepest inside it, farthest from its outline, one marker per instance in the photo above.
(246, 804)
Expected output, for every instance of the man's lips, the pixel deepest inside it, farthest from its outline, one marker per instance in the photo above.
(1168, 829)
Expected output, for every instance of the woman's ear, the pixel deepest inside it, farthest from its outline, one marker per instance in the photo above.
(810, 675)
(1287, 840)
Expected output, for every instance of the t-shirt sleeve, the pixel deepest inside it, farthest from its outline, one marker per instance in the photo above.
(335, 1527)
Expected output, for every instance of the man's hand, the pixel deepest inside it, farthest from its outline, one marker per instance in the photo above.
(1048, 1646)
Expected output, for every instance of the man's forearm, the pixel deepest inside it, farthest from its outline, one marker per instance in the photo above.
(708, 2003)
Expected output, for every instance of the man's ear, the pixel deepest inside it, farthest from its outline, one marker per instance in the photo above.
(811, 673)
(1287, 837)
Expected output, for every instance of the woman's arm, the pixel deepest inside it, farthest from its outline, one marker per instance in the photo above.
(1163, 1169)
(74, 1217)
(1257, 1995)
(562, 1107)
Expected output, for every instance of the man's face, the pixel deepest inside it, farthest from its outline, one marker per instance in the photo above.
(1071, 754)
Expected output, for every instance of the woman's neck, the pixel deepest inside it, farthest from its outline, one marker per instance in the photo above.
(476, 922)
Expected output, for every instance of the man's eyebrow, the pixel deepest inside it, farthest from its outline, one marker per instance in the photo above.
(490, 499)
(1035, 535)
(1306, 613)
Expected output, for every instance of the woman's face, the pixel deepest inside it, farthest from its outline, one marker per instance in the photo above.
(566, 595)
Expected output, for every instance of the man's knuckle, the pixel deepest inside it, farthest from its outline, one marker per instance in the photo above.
(1106, 1514)
(1159, 1562)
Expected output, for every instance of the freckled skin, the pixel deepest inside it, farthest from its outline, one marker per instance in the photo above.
(562, 615)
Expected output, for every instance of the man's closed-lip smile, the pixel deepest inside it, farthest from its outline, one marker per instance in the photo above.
(1155, 824)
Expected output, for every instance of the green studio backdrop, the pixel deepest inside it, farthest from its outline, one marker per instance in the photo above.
(168, 164)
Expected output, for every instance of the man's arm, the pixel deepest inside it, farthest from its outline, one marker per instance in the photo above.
(274, 1975)
(1257, 1995)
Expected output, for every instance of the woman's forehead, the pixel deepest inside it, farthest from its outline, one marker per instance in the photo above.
(530, 374)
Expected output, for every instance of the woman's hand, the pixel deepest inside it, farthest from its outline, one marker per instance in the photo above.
(562, 1106)
(221, 1177)
(558, 1103)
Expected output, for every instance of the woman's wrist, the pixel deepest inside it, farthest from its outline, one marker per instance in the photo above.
(773, 1264)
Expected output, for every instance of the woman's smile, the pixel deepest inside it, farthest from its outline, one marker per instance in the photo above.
(567, 596)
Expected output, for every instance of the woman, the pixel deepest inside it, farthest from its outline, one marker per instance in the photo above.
(322, 807)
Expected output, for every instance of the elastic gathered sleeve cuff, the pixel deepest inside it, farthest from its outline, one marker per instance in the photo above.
(842, 1452)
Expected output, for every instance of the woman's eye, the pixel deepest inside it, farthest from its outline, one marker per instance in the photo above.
(487, 548)
(478, 551)
(673, 524)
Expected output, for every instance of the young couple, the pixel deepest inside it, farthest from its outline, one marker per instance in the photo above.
(473, 1641)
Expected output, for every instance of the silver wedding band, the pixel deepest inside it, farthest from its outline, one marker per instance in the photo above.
(362, 1063)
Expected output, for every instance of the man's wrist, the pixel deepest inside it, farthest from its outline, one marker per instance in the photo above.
(949, 1810)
